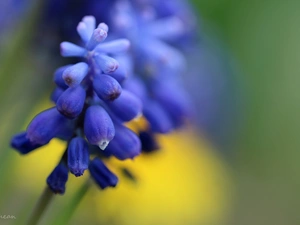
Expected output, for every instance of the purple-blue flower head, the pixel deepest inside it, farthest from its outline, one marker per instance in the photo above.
(109, 86)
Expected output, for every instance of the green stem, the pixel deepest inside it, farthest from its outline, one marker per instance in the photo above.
(41, 206)
(70, 208)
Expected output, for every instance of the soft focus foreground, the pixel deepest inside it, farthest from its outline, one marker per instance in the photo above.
(184, 183)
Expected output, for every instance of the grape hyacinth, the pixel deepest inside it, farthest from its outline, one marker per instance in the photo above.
(133, 73)
(91, 107)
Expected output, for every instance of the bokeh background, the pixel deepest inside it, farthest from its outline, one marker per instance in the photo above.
(240, 166)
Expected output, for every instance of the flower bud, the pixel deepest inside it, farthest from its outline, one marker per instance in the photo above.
(71, 101)
(90, 23)
(98, 36)
(125, 145)
(106, 87)
(102, 175)
(120, 74)
(126, 107)
(78, 156)
(68, 49)
(103, 26)
(74, 74)
(58, 178)
(83, 32)
(98, 126)
(45, 126)
(107, 64)
(22, 144)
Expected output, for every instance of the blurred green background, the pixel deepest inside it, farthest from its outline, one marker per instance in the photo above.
(263, 38)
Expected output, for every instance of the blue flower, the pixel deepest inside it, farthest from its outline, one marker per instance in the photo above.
(133, 72)
(89, 102)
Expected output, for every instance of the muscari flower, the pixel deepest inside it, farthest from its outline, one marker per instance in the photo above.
(154, 29)
(95, 97)
(89, 102)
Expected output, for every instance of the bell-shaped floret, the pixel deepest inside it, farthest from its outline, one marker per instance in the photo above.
(78, 156)
(71, 102)
(106, 87)
(98, 126)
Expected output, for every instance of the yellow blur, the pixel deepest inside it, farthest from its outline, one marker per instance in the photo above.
(186, 182)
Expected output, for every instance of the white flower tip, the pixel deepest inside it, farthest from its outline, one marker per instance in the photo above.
(103, 26)
(103, 144)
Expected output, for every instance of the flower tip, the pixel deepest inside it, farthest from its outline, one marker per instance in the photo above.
(77, 173)
(103, 26)
(68, 49)
(100, 34)
(103, 144)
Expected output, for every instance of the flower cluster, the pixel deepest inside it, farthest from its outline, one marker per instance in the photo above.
(135, 72)
(91, 107)
(153, 29)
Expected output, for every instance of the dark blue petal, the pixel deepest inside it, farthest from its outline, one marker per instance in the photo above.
(106, 87)
(45, 126)
(157, 117)
(148, 141)
(78, 156)
(22, 144)
(113, 47)
(126, 107)
(98, 126)
(58, 178)
(71, 102)
(102, 175)
(125, 145)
